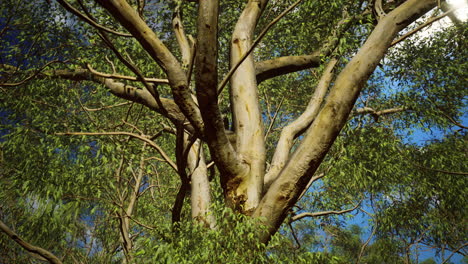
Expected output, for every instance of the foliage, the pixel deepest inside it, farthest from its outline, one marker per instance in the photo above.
(75, 194)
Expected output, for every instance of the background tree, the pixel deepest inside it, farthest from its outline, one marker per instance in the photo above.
(123, 120)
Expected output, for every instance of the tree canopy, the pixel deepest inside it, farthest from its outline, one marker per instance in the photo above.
(211, 131)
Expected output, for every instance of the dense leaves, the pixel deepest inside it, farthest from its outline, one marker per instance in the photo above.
(107, 196)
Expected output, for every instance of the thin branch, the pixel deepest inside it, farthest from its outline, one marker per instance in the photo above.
(294, 236)
(181, 159)
(454, 251)
(312, 180)
(123, 77)
(28, 247)
(90, 21)
(120, 133)
(106, 107)
(374, 230)
(254, 44)
(37, 72)
(274, 118)
(287, 64)
(427, 23)
(376, 114)
(303, 215)
(132, 67)
(441, 171)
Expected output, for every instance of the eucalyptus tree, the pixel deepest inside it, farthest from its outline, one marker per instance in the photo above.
(244, 99)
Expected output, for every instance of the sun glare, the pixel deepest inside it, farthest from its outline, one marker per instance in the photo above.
(461, 7)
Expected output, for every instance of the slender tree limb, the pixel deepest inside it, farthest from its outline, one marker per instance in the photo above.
(303, 215)
(200, 193)
(185, 181)
(312, 180)
(298, 126)
(272, 122)
(441, 171)
(32, 76)
(151, 88)
(133, 135)
(283, 65)
(453, 252)
(368, 110)
(105, 107)
(376, 114)
(28, 247)
(169, 108)
(419, 28)
(136, 189)
(294, 235)
(88, 20)
(374, 230)
(123, 77)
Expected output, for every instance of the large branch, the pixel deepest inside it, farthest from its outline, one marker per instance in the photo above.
(286, 189)
(284, 65)
(131, 20)
(247, 115)
(254, 45)
(206, 79)
(169, 109)
(30, 248)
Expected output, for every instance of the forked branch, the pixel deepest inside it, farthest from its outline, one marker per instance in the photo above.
(303, 215)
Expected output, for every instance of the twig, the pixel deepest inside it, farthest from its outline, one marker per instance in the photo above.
(303, 215)
(274, 118)
(124, 77)
(427, 23)
(88, 20)
(120, 133)
(441, 171)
